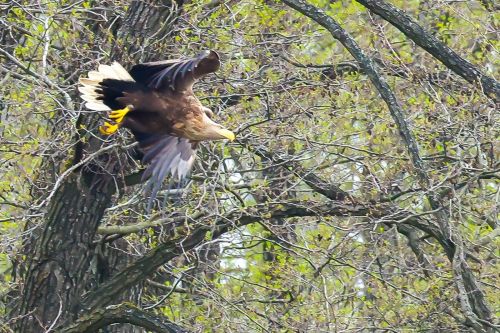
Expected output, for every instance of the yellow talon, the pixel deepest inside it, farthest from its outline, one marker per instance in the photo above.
(118, 115)
(107, 128)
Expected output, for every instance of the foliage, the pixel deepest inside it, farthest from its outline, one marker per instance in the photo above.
(301, 106)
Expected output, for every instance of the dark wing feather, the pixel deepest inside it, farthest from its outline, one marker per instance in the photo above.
(143, 72)
(176, 75)
(165, 155)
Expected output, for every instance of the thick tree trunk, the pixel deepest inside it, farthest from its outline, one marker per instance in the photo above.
(58, 271)
(61, 251)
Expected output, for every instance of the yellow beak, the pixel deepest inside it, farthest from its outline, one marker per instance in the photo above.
(227, 134)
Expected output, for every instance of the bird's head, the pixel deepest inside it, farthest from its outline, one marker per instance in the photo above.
(213, 131)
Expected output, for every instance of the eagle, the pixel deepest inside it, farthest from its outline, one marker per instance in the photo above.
(156, 102)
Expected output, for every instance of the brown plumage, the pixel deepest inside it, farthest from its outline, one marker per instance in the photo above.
(156, 102)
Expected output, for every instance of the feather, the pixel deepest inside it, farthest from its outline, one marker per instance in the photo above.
(108, 72)
(147, 101)
(89, 82)
(97, 106)
(102, 87)
(96, 76)
(88, 90)
(166, 155)
(91, 98)
(176, 75)
(120, 72)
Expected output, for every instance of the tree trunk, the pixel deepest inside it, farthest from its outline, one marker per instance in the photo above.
(61, 251)
(58, 272)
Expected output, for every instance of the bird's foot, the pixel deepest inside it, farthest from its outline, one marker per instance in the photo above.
(118, 115)
(107, 128)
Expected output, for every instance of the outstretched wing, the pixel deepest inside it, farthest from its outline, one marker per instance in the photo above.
(175, 75)
(165, 154)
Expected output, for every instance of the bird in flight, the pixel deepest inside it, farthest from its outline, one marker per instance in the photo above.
(156, 102)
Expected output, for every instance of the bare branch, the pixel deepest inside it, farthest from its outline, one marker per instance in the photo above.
(146, 265)
(128, 229)
(489, 237)
(43, 78)
(476, 300)
(434, 46)
(123, 313)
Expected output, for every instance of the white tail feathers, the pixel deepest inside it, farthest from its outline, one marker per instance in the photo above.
(89, 87)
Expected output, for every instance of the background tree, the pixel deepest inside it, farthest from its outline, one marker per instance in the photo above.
(362, 192)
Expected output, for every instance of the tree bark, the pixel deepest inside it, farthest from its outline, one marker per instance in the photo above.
(61, 250)
(124, 313)
(58, 270)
